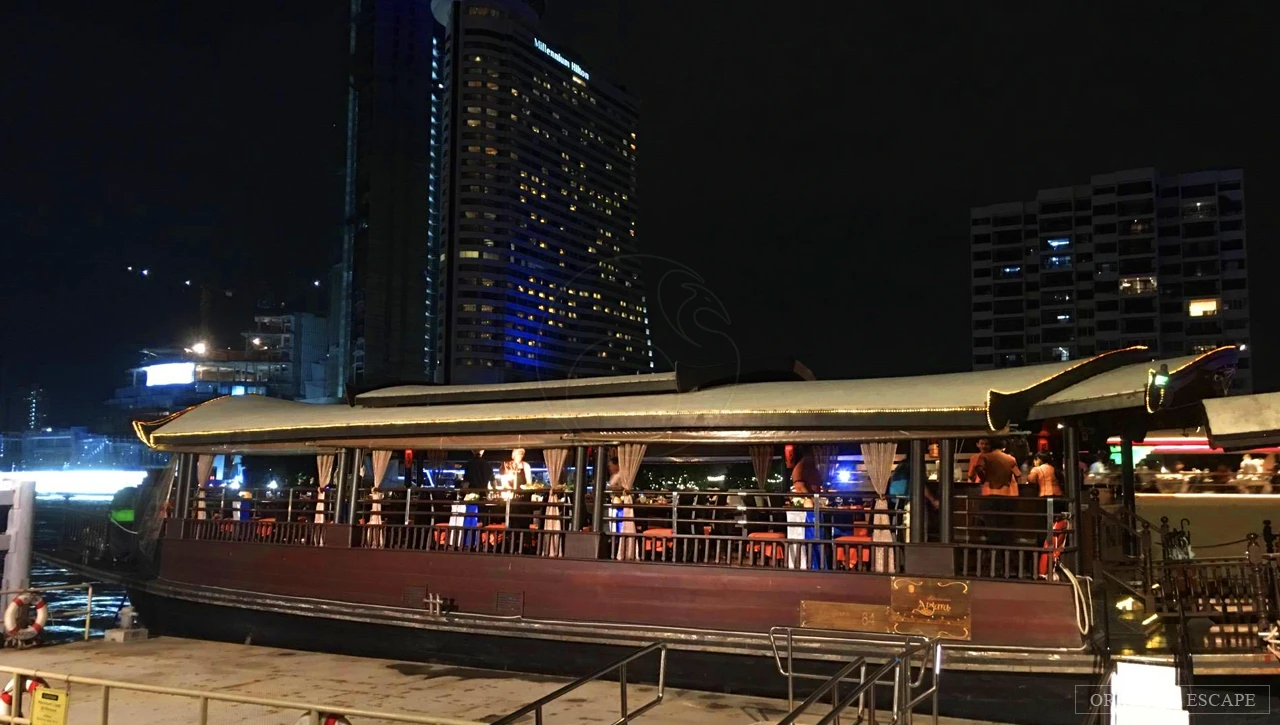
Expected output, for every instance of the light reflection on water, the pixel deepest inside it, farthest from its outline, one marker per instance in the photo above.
(107, 600)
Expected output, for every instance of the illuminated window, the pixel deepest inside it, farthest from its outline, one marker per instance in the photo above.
(1137, 285)
(1203, 308)
(469, 254)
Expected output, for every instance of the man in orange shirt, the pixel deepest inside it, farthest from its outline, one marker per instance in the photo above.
(998, 473)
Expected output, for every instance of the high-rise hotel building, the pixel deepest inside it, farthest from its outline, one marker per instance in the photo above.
(1132, 258)
(539, 206)
(491, 214)
(390, 268)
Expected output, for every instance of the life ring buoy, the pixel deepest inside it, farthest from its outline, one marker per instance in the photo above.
(6, 697)
(19, 606)
(326, 718)
(1055, 543)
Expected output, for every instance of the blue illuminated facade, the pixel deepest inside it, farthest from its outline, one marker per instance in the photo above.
(540, 208)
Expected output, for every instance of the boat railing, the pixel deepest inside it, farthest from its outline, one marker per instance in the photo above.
(856, 531)
(259, 531)
(750, 528)
(910, 665)
(625, 713)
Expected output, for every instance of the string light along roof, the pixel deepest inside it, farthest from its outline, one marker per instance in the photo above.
(959, 403)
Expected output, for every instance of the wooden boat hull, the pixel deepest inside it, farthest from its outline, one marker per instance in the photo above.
(752, 600)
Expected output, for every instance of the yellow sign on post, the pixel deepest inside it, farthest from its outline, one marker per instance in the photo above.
(50, 707)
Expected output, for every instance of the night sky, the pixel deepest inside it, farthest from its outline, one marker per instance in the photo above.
(812, 163)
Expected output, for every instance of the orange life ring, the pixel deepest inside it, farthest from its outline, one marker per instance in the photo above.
(6, 697)
(18, 606)
(1055, 544)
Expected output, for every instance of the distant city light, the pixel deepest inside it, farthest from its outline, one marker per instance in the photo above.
(273, 485)
(316, 283)
(129, 268)
(844, 475)
(200, 348)
(234, 485)
(146, 272)
(187, 283)
(257, 340)
(170, 374)
(78, 483)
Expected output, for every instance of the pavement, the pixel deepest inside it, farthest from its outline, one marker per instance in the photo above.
(385, 686)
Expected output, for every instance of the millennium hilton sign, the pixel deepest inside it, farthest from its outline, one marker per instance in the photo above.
(561, 59)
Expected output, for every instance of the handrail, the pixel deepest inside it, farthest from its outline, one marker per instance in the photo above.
(204, 696)
(88, 605)
(901, 683)
(903, 649)
(536, 706)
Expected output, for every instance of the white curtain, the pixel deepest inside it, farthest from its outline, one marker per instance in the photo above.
(555, 459)
(878, 458)
(204, 466)
(629, 457)
(324, 475)
(761, 460)
(381, 460)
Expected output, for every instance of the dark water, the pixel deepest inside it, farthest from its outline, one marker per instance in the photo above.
(64, 625)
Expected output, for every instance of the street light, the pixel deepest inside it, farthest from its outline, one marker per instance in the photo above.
(200, 348)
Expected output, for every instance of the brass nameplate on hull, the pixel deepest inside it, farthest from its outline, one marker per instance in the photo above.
(931, 607)
(850, 617)
(927, 607)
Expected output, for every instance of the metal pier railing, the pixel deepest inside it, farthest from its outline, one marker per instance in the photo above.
(536, 707)
(314, 713)
(862, 651)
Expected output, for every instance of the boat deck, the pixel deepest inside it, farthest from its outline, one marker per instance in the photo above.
(376, 684)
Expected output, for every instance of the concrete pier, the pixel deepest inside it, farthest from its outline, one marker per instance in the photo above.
(372, 684)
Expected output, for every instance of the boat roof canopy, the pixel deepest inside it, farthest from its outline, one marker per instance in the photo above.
(1243, 422)
(707, 406)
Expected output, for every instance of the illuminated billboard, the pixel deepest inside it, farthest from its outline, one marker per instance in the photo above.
(171, 374)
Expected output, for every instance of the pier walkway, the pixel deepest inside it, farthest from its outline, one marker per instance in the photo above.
(370, 684)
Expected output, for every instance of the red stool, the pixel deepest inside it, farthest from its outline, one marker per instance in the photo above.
(774, 551)
(655, 539)
(441, 534)
(856, 543)
(491, 534)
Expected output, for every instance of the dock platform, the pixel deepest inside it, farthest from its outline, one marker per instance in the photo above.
(371, 684)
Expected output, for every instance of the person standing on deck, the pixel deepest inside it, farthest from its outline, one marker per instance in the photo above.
(998, 473)
(1044, 477)
(478, 473)
(805, 477)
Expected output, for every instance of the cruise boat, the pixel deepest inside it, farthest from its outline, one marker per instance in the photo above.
(603, 550)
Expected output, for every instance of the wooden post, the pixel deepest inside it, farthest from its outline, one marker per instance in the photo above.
(946, 474)
(579, 486)
(1127, 478)
(355, 485)
(916, 470)
(1127, 489)
(1072, 486)
(602, 480)
(333, 500)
